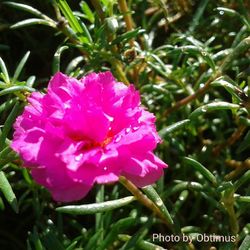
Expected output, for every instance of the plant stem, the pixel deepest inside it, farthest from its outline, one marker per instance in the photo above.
(127, 17)
(243, 46)
(98, 8)
(228, 202)
(116, 64)
(143, 199)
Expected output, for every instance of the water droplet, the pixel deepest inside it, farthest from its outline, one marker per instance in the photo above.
(50, 222)
(118, 138)
(159, 202)
(111, 119)
(78, 157)
(204, 53)
(66, 105)
(105, 168)
(135, 128)
(127, 130)
(221, 13)
(29, 116)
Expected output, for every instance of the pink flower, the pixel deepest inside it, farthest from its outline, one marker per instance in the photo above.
(86, 131)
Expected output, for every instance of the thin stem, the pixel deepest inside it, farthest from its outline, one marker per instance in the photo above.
(116, 64)
(231, 140)
(127, 17)
(143, 199)
(243, 46)
(228, 202)
(98, 8)
(192, 97)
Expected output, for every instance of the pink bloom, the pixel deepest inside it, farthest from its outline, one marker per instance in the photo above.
(86, 131)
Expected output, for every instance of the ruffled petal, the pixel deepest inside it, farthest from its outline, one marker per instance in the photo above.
(143, 171)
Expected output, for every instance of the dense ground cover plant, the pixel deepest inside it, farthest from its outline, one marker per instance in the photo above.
(190, 62)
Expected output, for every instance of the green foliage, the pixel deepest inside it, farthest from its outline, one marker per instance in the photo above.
(190, 61)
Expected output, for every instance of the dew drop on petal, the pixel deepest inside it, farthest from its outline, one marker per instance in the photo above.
(78, 157)
(135, 128)
(127, 130)
(29, 116)
(66, 106)
(118, 138)
(105, 168)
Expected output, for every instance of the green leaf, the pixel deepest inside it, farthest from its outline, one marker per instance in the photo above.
(243, 198)
(142, 244)
(139, 235)
(36, 240)
(127, 36)
(73, 64)
(32, 21)
(211, 107)
(4, 71)
(199, 167)
(245, 245)
(244, 178)
(96, 207)
(57, 58)
(115, 229)
(92, 242)
(13, 89)
(73, 22)
(7, 191)
(51, 241)
(193, 50)
(30, 81)
(228, 11)
(198, 14)
(87, 11)
(27, 8)
(2, 207)
(154, 196)
(232, 89)
(4, 154)
(72, 246)
(20, 67)
(244, 143)
(8, 124)
(172, 128)
(8, 104)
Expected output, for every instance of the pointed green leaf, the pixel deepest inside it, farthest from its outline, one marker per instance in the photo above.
(245, 245)
(8, 124)
(154, 196)
(211, 107)
(172, 128)
(127, 36)
(96, 207)
(13, 89)
(30, 81)
(57, 58)
(20, 67)
(7, 191)
(199, 167)
(87, 11)
(117, 228)
(244, 178)
(32, 21)
(4, 71)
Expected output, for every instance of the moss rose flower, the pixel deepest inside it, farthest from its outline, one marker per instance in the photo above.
(87, 131)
